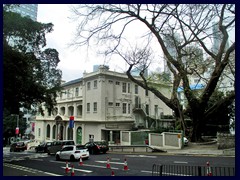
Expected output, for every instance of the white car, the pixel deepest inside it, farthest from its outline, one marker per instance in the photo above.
(72, 153)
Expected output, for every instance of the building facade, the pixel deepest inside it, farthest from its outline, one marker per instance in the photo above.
(103, 103)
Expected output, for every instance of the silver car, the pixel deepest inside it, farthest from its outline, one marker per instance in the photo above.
(72, 153)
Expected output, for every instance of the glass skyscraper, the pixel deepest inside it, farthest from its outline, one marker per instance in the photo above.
(29, 10)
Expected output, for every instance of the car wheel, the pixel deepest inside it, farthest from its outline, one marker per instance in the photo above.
(48, 152)
(104, 152)
(57, 158)
(72, 158)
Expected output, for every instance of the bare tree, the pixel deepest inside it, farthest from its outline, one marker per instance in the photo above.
(176, 28)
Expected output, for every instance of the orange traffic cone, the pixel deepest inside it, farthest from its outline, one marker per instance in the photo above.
(112, 173)
(80, 161)
(108, 165)
(209, 172)
(72, 171)
(66, 169)
(125, 165)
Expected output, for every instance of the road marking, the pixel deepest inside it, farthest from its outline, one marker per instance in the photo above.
(180, 162)
(143, 156)
(52, 174)
(27, 169)
(82, 170)
(111, 162)
(146, 171)
(98, 166)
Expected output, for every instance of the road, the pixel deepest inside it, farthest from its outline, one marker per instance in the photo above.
(29, 163)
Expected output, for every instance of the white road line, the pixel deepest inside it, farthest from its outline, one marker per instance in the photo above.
(146, 171)
(111, 162)
(180, 162)
(52, 174)
(82, 170)
(98, 166)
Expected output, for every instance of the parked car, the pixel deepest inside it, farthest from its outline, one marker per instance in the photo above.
(72, 153)
(43, 147)
(185, 141)
(18, 146)
(97, 147)
(58, 145)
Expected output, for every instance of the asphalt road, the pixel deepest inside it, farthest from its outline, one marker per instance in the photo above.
(29, 163)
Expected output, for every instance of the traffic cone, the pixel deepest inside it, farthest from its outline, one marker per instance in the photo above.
(112, 173)
(125, 165)
(209, 172)
(66, 169)
(72, 171)
(80, 161)
(108, 165)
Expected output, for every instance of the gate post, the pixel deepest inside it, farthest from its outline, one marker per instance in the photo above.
(199, 171)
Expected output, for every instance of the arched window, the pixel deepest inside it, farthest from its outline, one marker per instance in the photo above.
(54, 132)
(48, 131)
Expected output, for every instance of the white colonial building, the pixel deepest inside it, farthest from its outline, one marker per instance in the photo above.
(103, 103)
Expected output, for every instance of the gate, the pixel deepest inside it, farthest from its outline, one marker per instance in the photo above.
(180, 170)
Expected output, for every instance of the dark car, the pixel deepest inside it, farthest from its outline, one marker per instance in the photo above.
(18, 146)
(43, 147)
(97, 147)
(58, 145)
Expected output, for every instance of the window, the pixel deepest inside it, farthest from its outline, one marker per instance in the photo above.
(39, 132)
(88, 107)
(110, 81)
(110, 103)
(68, 93)
(129, 87)
(129, 108)
(136, 89)
(88, 85)
(124, 108)
(76, 91)
(95, 84)
(147, 109)
(95, 107)
(117, 104)
(146, 92)
(124, 87)
(48, 131)
(117, 83)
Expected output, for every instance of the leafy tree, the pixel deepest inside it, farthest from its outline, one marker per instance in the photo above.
(178, 29)
(30, 72)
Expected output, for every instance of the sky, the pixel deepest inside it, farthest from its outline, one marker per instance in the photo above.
(73, 62)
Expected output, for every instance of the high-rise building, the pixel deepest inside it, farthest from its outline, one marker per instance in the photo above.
(29, 10)
(217, 38)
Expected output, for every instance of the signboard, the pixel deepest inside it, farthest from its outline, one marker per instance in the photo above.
(71, 122)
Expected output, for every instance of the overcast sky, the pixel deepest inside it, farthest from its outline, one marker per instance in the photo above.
(73, 62)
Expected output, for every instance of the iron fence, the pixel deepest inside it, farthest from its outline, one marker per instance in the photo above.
(182, 170)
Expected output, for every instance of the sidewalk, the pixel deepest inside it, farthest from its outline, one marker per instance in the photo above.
(191, 149)
(206, 149)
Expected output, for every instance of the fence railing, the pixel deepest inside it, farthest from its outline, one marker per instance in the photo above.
(182, 170)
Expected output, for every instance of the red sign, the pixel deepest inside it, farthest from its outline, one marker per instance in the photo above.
(17, 130)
